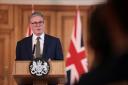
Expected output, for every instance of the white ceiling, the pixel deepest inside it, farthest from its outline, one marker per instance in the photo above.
(53, 2)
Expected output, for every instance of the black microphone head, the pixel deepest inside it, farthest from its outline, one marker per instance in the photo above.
(33, 49)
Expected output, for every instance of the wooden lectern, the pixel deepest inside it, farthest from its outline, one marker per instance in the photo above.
(23, 77)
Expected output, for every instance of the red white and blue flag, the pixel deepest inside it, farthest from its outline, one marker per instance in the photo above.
(76, 60)
(29, 31)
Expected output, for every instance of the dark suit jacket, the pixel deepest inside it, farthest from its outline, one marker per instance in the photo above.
(52, 49)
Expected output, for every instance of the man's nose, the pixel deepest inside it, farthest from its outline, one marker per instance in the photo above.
(38, 24)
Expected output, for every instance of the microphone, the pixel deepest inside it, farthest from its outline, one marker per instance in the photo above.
(33, 50)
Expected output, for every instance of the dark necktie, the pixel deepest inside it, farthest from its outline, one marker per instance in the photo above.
(38, 48)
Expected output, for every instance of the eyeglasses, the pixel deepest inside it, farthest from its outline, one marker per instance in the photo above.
(37, 23)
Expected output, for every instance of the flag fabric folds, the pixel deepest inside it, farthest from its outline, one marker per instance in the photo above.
(29, 31)
(76, 59)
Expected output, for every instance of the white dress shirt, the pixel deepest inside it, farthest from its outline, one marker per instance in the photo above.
(34, 40)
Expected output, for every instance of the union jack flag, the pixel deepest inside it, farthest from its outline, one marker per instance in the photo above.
(29, 31)
(76, 59)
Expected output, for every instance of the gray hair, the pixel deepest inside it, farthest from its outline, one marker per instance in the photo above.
(36, 14)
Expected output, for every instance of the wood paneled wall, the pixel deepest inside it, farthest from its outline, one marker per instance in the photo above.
(59, 21)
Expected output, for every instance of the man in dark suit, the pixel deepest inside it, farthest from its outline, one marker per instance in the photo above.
(50, 47)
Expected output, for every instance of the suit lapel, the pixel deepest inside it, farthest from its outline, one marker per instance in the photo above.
(45, 46)
(29, 47)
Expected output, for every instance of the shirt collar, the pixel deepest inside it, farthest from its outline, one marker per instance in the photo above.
(41, 36)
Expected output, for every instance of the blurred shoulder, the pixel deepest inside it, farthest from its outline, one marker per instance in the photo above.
(25, 39)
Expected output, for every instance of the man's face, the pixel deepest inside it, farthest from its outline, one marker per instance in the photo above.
(37, 25)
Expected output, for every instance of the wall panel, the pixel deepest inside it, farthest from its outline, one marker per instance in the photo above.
(6, 16)
(5, 57)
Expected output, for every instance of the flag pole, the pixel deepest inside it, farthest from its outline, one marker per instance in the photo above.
(29, 31)
(32, 8)
(77, 7)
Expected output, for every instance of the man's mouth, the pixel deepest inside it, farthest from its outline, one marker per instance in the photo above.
(38, 29)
